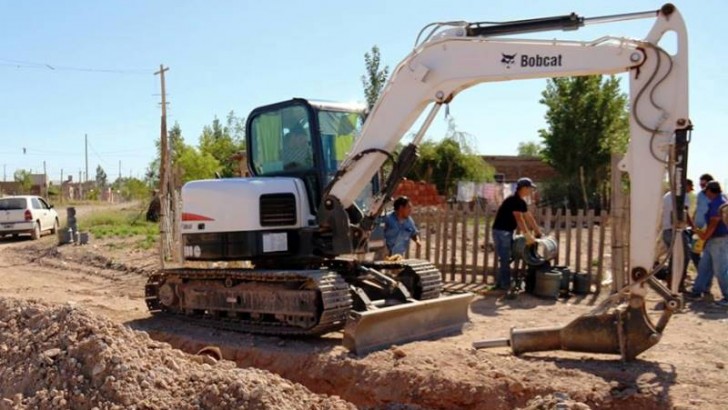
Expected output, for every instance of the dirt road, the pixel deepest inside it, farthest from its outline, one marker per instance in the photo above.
(685, 370)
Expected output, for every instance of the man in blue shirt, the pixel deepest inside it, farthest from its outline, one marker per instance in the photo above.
(399, 227)
(702, 205)
(715, 253)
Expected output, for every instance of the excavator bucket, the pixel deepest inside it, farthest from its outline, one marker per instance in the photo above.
(417, 320)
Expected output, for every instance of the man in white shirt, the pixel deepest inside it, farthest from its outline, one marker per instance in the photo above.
(667, 218)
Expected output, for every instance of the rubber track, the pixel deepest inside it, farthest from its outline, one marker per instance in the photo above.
(430, 277)
(334, 290)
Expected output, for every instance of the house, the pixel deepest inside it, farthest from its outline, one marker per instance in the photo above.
(38, 186)
(509, 168)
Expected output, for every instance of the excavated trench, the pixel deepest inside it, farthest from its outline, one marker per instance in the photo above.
(420, 375)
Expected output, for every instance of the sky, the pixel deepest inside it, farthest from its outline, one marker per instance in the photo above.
(69, 69)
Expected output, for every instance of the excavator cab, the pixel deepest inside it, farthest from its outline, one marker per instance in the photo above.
(305, 139)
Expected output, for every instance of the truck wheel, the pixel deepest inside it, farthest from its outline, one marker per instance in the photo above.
(55, 227)
(35, 234)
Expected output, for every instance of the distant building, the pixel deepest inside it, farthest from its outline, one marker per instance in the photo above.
(39, 186)
(508, 168)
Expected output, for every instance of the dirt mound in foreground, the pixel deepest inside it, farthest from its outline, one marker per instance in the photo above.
(55, 357)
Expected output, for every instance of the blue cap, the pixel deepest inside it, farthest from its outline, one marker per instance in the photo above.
(527, 182)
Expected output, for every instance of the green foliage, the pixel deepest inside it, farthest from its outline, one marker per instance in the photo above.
(124, 223)
(131, 189)
(101, 178)
(529, 149)
(221, 142)
(22, 177)
(217, 144)
(446, 162)
(197, 165)
(587, 121)
(375, 77)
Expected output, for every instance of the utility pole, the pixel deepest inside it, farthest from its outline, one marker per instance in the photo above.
(165, 245)
(85, 140)
(60, 198)
(44, 190)
(119, 170)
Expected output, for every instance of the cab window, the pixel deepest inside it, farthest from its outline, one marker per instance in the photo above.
(338, 132)
(281, 141)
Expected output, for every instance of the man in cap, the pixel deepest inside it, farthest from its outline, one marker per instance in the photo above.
(715, 252)
(513, 214)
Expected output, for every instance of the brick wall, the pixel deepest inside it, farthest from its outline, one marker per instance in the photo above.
(420, 193)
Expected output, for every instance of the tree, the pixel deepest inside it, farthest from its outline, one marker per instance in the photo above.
(101, 178)
(175, 144)
(131, 189)
(22, 177)
(374, 78)
(223, 141)
(196, 164)
(587, 120)
(218, 142)
(450, 160)
(529, 149)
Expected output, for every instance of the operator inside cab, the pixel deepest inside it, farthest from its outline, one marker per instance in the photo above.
(296, 152)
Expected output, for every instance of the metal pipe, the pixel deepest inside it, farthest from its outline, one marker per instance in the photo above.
(621, 17)
(565, 23)
(425, 125)
(491, 343)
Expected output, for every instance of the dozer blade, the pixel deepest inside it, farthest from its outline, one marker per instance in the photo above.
(417, 320)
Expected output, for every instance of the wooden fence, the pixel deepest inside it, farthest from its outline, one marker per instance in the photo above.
(458, 241)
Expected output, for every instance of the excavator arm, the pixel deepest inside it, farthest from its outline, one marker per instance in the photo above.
(463, 55)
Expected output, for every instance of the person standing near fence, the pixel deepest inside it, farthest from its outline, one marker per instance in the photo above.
(399, 227)
(715, 235)
(667, 231)
(513, 215)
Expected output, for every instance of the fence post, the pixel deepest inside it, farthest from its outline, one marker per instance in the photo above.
(559, 212)
(604, 218)
(617, 224)
(476, 241)
(590, 240)
(579, 226)
(464, 243)
(453, 242)
(427, 235)
(438, 242)
(568, 238)
(486, 245)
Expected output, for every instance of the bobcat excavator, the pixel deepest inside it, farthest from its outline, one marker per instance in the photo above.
(307, 217)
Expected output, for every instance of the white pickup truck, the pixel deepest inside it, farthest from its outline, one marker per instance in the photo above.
(27, 215)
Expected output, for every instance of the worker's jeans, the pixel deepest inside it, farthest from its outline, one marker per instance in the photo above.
(667, 240)
(713, 262)
(503, 241)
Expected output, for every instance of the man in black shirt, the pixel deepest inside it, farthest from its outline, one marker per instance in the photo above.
(513, 214)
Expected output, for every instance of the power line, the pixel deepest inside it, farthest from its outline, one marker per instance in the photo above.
(55, 67)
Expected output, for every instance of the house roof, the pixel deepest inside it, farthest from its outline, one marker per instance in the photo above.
(515, 166)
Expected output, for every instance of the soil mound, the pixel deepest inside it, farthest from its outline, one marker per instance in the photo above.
(54, 357)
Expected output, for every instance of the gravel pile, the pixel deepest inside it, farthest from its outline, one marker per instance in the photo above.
(556, 401)
(54, 357)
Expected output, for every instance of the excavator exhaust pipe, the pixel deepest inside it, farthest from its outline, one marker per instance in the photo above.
(625, 330)
(417, 320)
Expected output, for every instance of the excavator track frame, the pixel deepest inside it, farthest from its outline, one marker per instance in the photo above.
(415, 309)
(332, 294)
